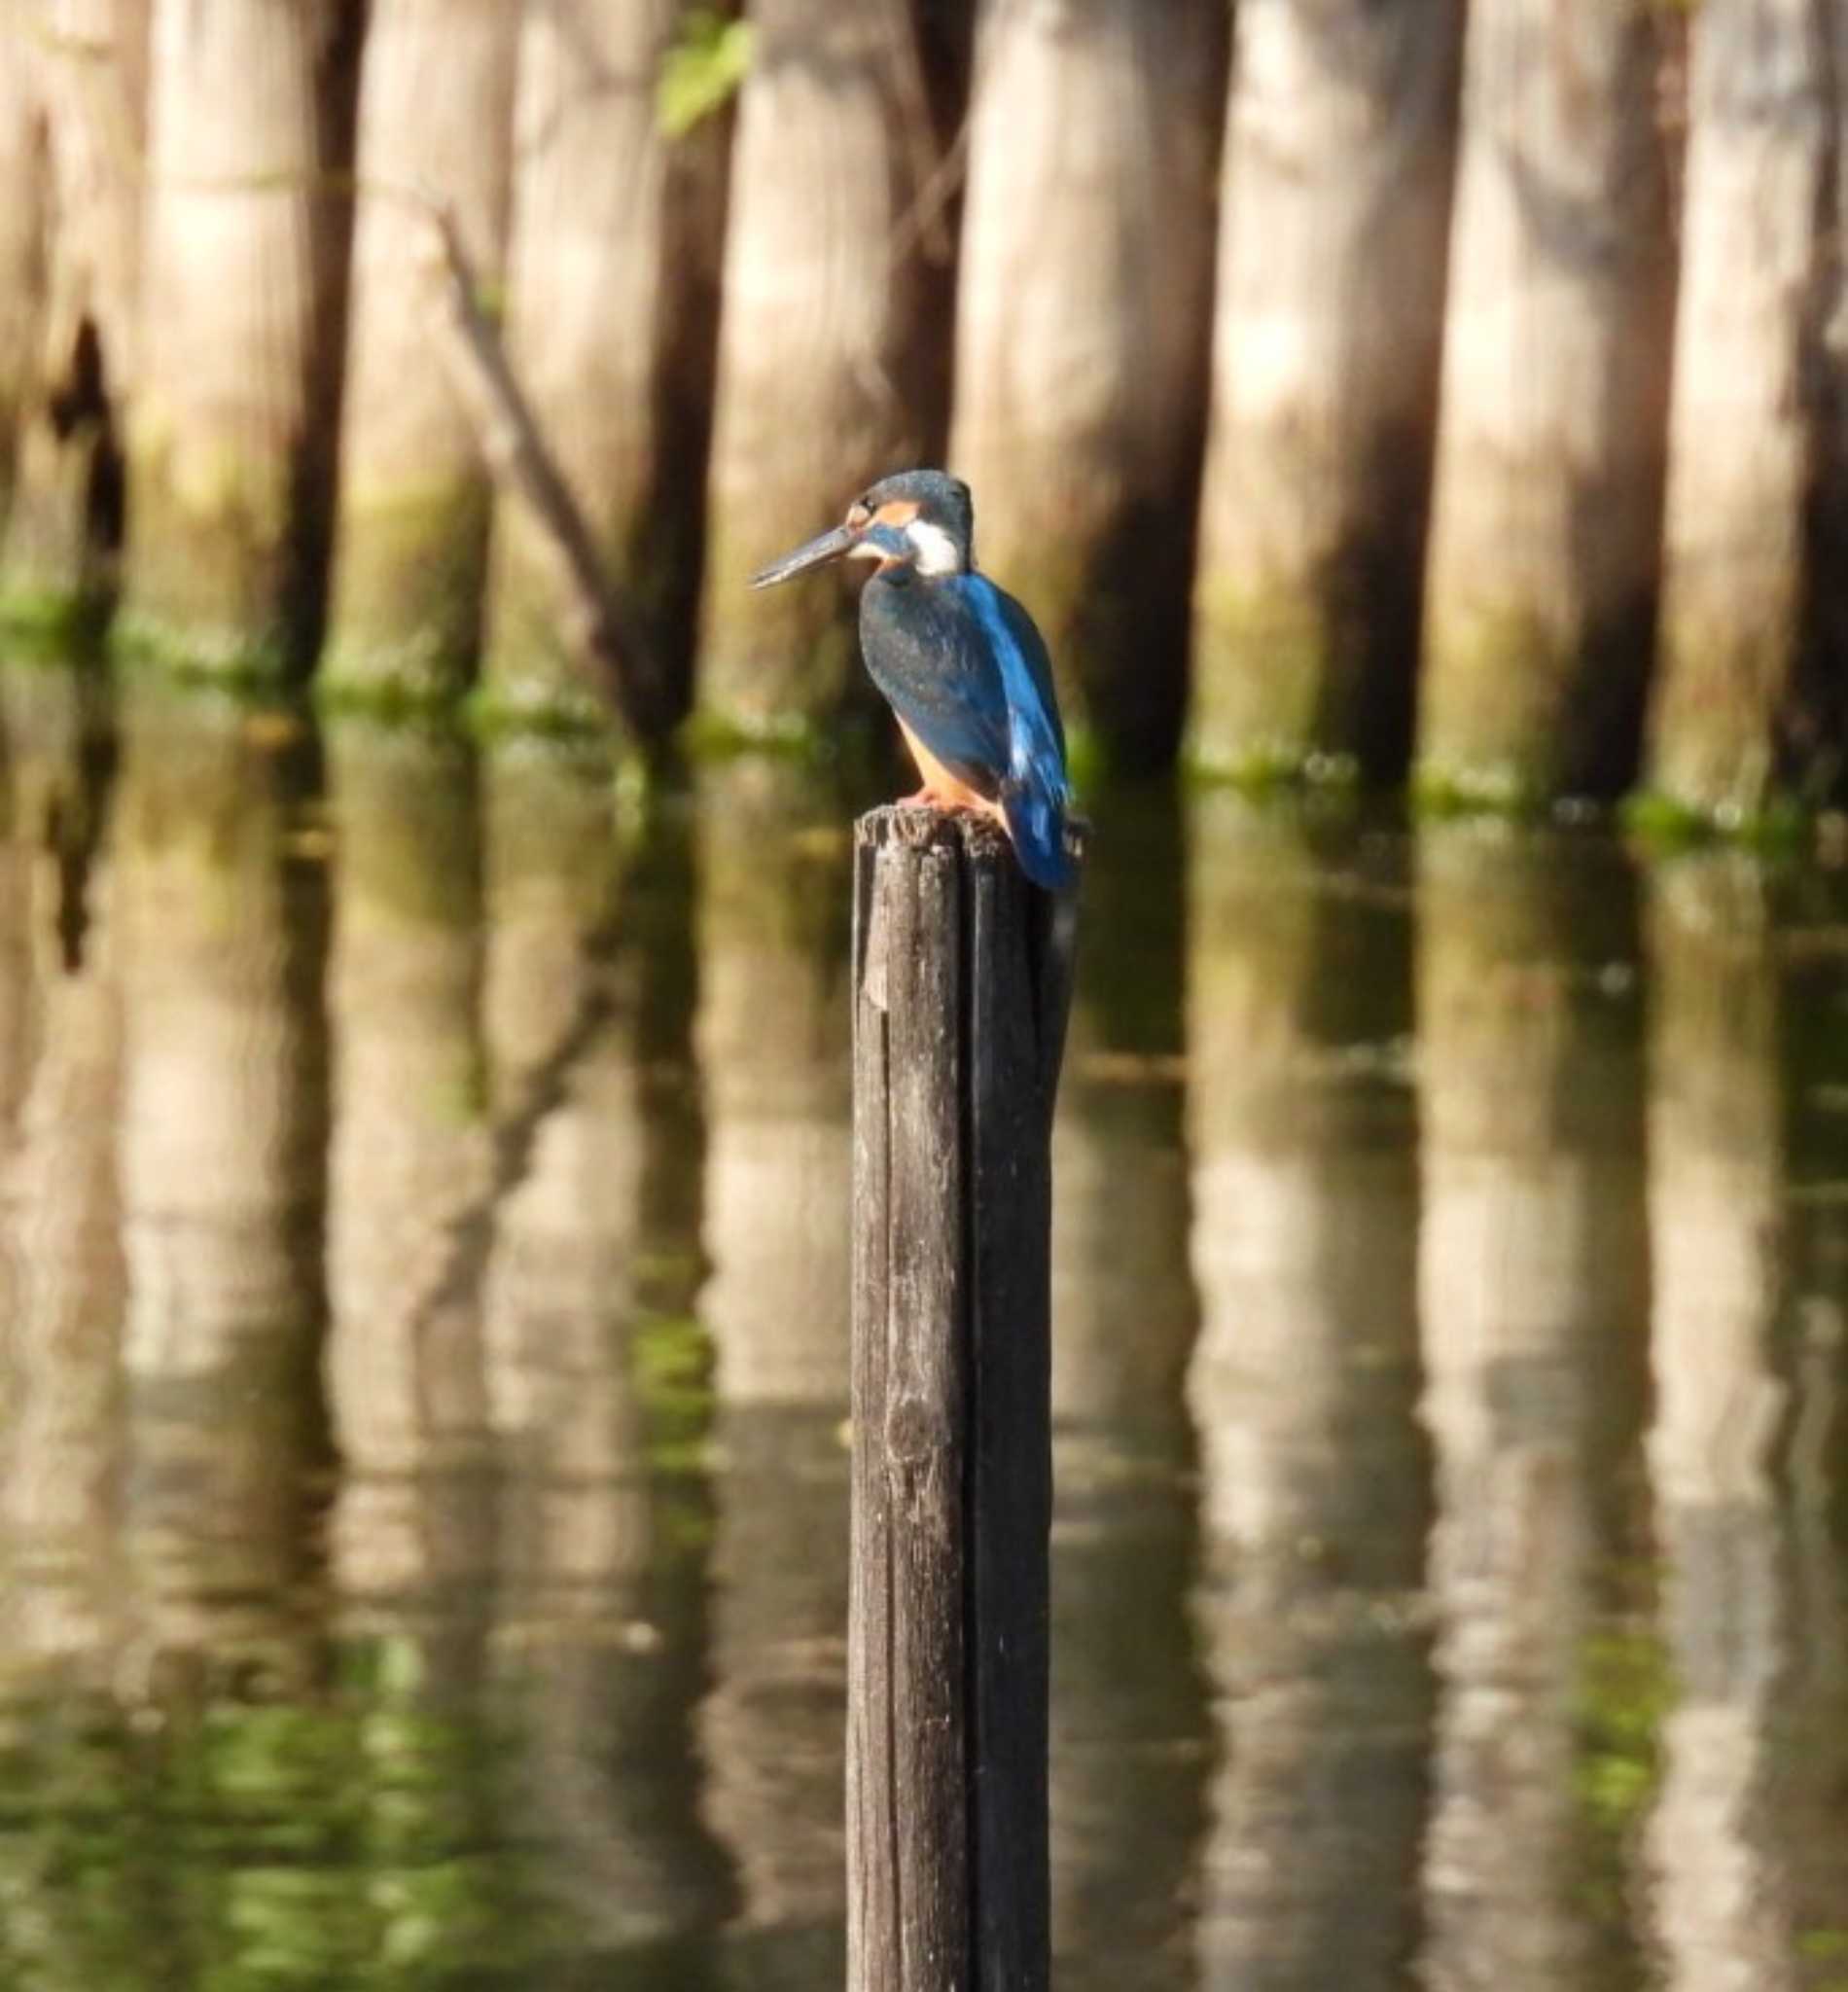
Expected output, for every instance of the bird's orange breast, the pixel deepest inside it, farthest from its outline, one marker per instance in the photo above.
(940, 782)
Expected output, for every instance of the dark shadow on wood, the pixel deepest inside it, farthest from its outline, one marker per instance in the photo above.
(962, 987)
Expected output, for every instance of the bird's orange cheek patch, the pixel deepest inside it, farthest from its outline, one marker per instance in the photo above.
(897, 512)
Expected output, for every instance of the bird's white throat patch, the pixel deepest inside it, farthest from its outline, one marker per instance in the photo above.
(932, 550)
(936, 549)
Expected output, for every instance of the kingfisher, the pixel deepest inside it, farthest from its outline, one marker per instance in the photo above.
(958, 660)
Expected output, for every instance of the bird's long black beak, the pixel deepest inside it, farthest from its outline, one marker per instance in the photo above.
(817, 553)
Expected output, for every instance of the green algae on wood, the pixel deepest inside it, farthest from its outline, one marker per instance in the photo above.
(1525, 701)
(216, 571)
(1667, 823)
(1439, 792)
(1746, 418)
(230, 435)
(1272, 693)
(251, 666)
(57, 544)
(536, 662)
(1545, 520)
(1333, 222)
(407, 582)
(412, 549)
(560, 707)
(1718, 739)
(615, 222)
(51, 626)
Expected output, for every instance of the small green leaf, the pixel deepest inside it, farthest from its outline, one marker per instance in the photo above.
(702, 72)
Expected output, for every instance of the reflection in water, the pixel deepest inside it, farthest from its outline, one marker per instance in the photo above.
(60, 1250)
(411, 1532)
(1304, 1385)
(221, 1136)
(1815, 1840)
(1811, 957)
(596, 1610)
(1531, 1286)
(773, 1044)
(408, 1175)
(1127, 1769)
(422, 1375)
(1723, 1912)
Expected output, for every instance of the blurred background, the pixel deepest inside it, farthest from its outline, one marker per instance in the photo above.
(1348, 389)
(1422, 432)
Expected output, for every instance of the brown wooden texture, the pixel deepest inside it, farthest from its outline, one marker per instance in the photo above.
(73, 89)
(612, 327)
(231, 441)
(961, 989)
(1546, 495)
(1333, 223)
(436, 112)
(1082, 311)
(23, 218)
(1743, 416)
(832, 341)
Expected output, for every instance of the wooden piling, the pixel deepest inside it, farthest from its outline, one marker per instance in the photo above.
(1546, 499)
(833, 339)
(231, 436)
(1082, 337)
(73, 126)
(1743, 414)
(616, 222)
(1341, 140)
(436, 111)
(962, 984)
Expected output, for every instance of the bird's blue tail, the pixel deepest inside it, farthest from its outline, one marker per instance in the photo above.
(1035, 810)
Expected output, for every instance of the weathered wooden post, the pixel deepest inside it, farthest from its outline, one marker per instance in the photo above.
(962, 980)
(1082, 337)
(1743, 413)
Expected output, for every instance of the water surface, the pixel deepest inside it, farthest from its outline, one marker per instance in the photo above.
(423, 1253)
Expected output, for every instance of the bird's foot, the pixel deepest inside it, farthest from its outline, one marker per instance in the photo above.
(934, 799)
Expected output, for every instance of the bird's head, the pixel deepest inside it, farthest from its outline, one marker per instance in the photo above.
(921, 520)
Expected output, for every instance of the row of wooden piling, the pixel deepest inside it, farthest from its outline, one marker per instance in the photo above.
(1345, 388)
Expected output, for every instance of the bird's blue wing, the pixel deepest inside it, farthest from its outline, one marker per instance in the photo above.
(1031, 646)
(1035, 792)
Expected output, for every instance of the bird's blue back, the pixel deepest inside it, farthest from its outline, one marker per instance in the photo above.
(967, 671)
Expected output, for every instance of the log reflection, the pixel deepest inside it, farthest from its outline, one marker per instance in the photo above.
(1127, 1713)
(1816, 1689)
(1303, 1387)
(409, 1167)
(771, 1035)
(1721, 1909)
(597, 1618)
(61, 1287)
(1532, 1294)
(222, 1128)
